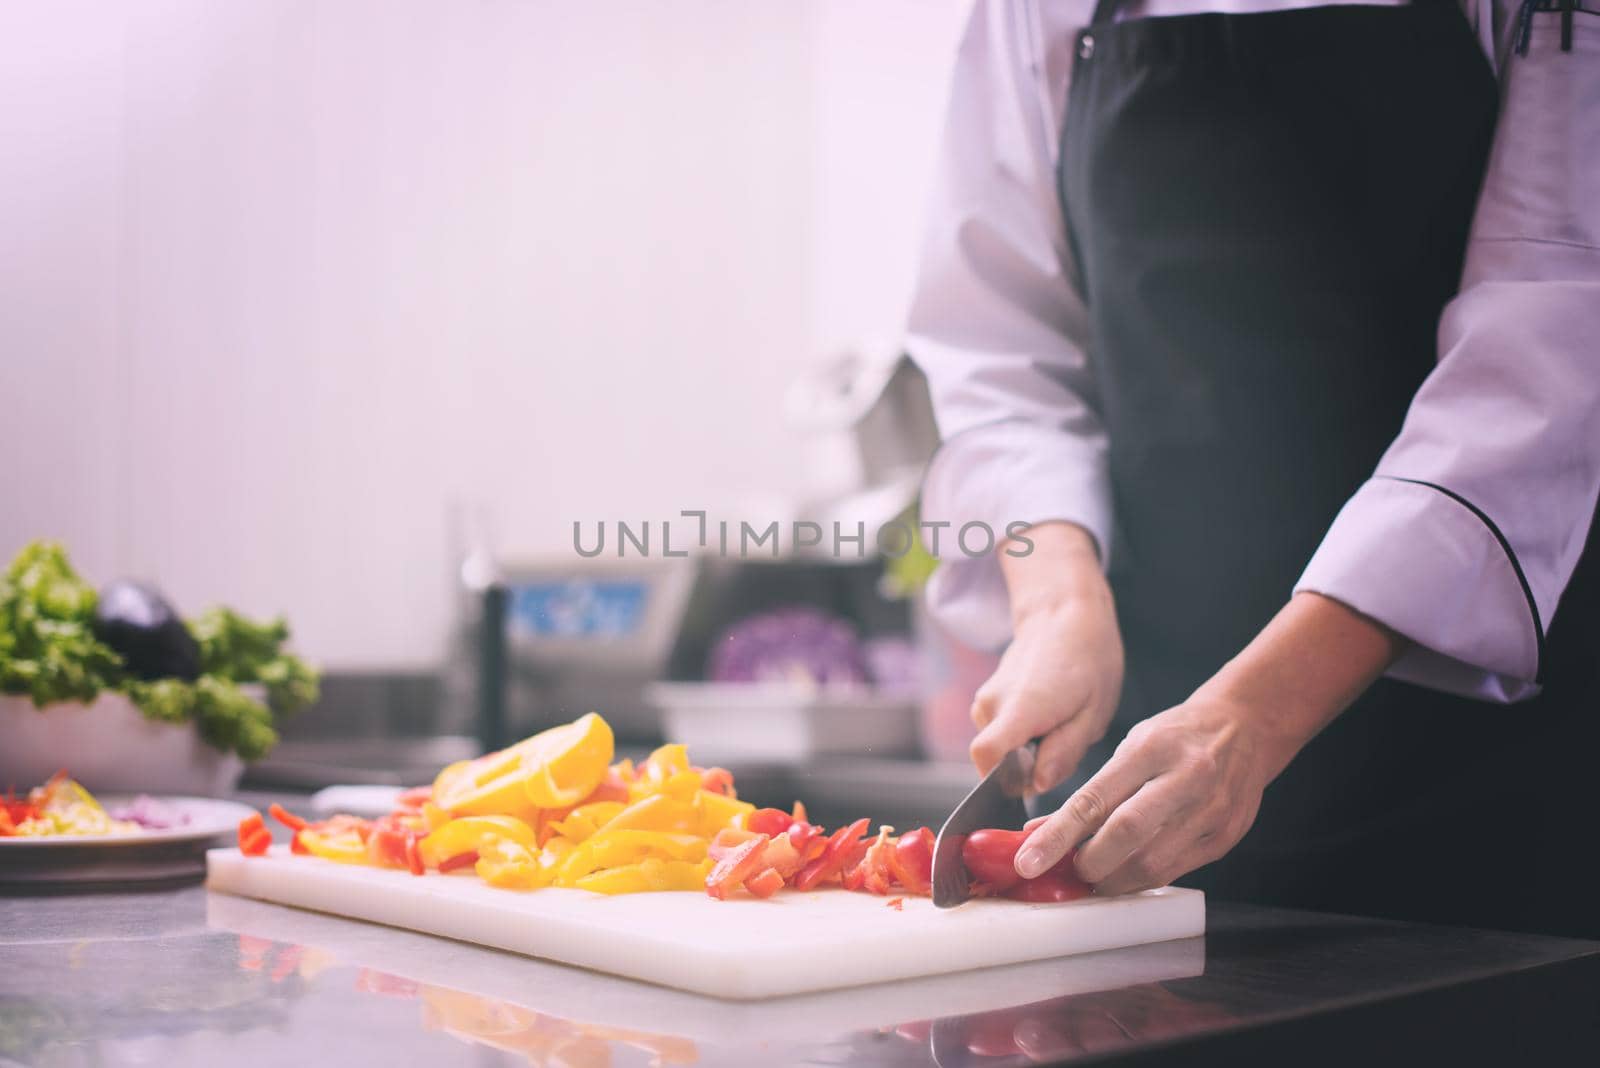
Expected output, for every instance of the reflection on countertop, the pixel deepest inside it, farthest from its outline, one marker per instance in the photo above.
(189, 977)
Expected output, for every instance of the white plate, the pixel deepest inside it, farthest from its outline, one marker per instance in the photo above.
(114, 861)
(208, 818)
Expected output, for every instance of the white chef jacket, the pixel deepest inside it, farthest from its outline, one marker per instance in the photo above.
(1471, 525)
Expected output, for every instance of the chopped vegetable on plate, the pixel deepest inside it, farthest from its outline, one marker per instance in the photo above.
(60, 806)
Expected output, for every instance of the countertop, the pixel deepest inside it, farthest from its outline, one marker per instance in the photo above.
(186, 977)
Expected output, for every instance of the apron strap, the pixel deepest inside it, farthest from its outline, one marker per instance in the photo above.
(1104, 11)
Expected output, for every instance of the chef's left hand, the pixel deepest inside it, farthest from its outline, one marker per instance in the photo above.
(1185, 785)
(1180, 791)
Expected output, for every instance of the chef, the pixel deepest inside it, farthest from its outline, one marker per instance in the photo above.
(1280, 321)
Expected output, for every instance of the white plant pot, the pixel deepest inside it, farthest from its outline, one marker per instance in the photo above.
(109, 746)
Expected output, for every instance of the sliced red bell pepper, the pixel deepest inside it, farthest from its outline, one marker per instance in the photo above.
(802, 834)
(875, 864)
(1060, 883)
(768, 821)
(743, 861)
(782, 856)
(832, 860)
(414, 855)
(767, 883)
(854, 876)
(251, 828)
(717, 780)
(727, 840)
(297, 846)
(256, 843)
(415, 797)
(285, 817)
(386, 846)
(460, 860)
(912, 861)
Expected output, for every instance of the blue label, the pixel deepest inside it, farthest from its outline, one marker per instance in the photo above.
(579, 609)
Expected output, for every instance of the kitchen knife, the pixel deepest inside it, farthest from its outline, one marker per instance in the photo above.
(994, 802)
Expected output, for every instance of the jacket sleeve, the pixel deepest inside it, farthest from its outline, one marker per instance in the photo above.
(1476, 515)
(997, 326)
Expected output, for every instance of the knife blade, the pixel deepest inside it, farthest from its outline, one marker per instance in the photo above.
(995, 802)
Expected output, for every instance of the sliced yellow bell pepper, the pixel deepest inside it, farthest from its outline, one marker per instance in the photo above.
(472, 833)
(434, 817)
(511, 866)
(572, 764)
(508, 864)
(583, 821)
(346, 847)
(718, 811)
(674, 756)
(618, 848)
(658, 812)
(649, 875)
(667, 765)
(553, 769)
(682, 784)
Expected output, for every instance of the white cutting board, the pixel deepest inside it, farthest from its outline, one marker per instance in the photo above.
(742, 949)
(608, 1001)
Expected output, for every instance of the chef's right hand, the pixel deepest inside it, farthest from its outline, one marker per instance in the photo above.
(1061, 677)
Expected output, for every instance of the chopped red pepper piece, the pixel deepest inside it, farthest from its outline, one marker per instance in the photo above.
(875, 864)
(256, 843)
(460, 860)
(896, 903)
(834, 855)
(249, 830)
(297, 846)
(912, 861)
(717, 780)
(766, 884)
(768, 821)
(1060, 883)
(743, 861)
(802, 834)
(414, 855)
(285, 817)
(415, 797)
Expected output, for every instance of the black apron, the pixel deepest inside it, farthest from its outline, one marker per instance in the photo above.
(1269, 212)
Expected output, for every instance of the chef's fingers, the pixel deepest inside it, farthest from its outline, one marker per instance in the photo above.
(1129, 768)
(1174, 853)
(1062, 750)
(985, 706)
(1017, 719)
(1132, 828)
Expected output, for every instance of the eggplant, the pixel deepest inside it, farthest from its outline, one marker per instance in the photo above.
(147, 632)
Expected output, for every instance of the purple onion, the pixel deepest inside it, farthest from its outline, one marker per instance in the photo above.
(150, 814)
(802, 645)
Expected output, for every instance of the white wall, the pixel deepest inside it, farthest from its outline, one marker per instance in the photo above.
(282, 282)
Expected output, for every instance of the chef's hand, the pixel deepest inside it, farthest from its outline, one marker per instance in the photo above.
(1184, 786)
(1061, 677)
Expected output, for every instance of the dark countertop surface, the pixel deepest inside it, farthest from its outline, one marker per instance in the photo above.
(186, 977)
